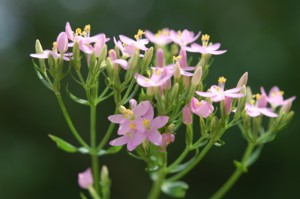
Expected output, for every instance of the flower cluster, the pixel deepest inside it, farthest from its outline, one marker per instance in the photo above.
(162, 81)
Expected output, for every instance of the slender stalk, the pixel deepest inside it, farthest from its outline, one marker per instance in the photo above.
(155, 190)
(194, 163)
(106, 136)
(236, 174)
(179, 159)
(94, 157)
(69, 121)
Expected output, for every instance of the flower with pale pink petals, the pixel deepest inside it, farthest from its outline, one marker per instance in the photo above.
(201, 108)
(275, 97)
(161, 38)
(60, 48)
(158, 78)
(258, 107)
(85, 179)
(187, 115)
(205, 48)
(183, 38)
(96, 48)
(217, 93)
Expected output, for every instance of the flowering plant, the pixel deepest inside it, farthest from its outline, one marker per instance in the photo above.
(162, 92)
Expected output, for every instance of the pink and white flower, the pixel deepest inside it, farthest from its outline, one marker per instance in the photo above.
(217, 93)
(161, 38)
(206, 48)
(85, 179)
(201, 108)
(258, 107)
(275, 97)
(183, 38)
(60, 48)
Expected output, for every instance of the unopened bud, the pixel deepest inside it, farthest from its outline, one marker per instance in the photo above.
(186, 115)
(122, 109)
(228, 105)
(104, 174)
(147, 58)
(171, 128)
(174, 91)
(38, 47)
(243, 80)
(103, 54)
(133, 61)
(197, 76)
(160, 58)
(76, 56)
(150, 91)
(186, 82)
(177, 71)
(174, 49)
(286, 107)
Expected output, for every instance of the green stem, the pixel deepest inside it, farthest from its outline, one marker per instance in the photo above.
(155, 190)
(179, 159)
(69, 121)
(94, 157)
(194, 163)
(236, 174)
(106, 136)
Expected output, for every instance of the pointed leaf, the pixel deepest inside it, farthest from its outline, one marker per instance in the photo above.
(63, 145)
(76, 99)
(40, 76)
(110, 150)
(175, 189)
(240, 166)
(180, 167)
(254, 156)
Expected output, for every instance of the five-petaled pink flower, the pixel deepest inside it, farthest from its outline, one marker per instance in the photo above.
(85, 179)
(201, 108)
(275, 97)
(205, 48)
(183, 38)
(60, 47)
(217, 93)
(161, 38)
(159, 77)
(258, 107)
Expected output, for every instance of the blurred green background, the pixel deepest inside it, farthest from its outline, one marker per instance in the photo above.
(262, 37)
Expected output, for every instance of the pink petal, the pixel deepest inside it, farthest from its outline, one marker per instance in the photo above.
(126, 40)
(122, 62)
(159, 122)
(205, 94)
(119, 141)
(124, 128)
(62, 42)
(214, 46)
(234, 95)
(143, 81)
(116, 118)
(142, 108)
(267, 112)
(233, 90)
(69, 31)
(217, 52)
(137, 139)
(155, 137)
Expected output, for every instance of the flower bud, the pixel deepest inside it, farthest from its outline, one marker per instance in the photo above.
(160, 58)
(186, 115)
(147, 59)
(186, 82)
(167, 138)
(243, 80)
(174, 92)
(102, 54)
(122, 109)
(132, 103)
(85, 179)
(228, 105)
(177, 71)
(62, 42)
(171, 128)
(104, 175)
(286, 107)
(197, 76)
(76, 56)
(38, 47)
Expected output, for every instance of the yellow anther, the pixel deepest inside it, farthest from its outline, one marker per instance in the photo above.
(87, 28)
(78, 31)
(132, 126)
(139, 34)
(84, 33)
(159, 33)
(218, 88)
(281, 92)
(176, 59)
(165, 32)
(148, 73)
(158, 71)
(205, 39)
(274, 94)
(257, 96)
(198, 103)
(252, 102)
(179, 33)
(54, 46)
(222, 80)
(127, 113)
(146, 123)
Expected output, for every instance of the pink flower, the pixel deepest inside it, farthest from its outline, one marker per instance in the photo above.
(96, 48)
(258, 107)
(186, 115)
(59, 48)
(161, 38)
(159, 77)
(202, 108)
(130, 44)
(127, 50)
(85, 179)
(217, 93)
(167, 138)
(131, 138)
(183, 38)
(122, 62)
(130, 120)
(275, 97)
(205, 48)
(80, 35)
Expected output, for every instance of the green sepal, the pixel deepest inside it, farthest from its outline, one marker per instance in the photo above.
(40, 76)
(175, 189)
(76, 99)
(63, 145)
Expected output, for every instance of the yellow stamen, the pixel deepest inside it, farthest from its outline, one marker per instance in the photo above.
(176, 59)
(158, 71)
(139, 34)
(198, 103)
(87, 28)
(84, 33)
(257, 96)
(54, 46)
(179, 33)
(222, 80)
(132, 126)
(148, 73)
(252, 102)
(127, 113)
(205, 39)
(78, 32)
(146, 123)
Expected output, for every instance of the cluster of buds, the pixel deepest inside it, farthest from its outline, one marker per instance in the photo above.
(170, 87)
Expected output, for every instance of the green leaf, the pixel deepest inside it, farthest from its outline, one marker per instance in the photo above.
(40, 76)
(110, 150)
(76, 99)
(63, 145)
(175, 189)
(240, 166)
(200, 144)
(180, 167)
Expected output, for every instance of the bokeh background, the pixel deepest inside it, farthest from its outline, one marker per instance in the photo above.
(262, 37)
